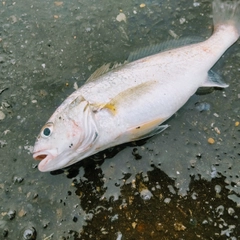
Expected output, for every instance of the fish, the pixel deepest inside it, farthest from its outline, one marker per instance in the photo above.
(132, 101)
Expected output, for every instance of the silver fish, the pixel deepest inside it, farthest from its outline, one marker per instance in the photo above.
(130, 102)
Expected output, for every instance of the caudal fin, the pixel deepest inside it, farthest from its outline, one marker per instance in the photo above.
(226, 13)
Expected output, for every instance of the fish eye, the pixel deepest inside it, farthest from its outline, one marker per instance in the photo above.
(47, 130)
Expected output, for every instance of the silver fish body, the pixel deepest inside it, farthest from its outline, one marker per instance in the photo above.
(131, 102)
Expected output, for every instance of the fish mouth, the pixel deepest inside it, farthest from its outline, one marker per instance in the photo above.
(47, 159)
(40, 155)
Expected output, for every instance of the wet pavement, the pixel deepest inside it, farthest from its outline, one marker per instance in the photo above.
(181, 184)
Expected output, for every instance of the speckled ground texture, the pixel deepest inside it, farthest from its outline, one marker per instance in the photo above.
(173, 186)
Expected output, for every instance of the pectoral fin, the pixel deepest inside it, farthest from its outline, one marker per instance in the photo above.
(155, 131)
(147, 129)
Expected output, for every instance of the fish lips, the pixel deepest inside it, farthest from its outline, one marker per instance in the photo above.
(46, 158)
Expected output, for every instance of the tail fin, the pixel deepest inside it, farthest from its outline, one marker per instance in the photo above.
(226, 13)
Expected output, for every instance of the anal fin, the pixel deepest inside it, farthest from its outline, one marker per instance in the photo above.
(214, 80)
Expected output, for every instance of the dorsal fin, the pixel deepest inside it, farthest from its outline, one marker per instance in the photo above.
(144, 52)
(161, 47)
(104, 69)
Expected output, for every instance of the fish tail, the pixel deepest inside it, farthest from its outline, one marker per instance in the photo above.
(226, 13)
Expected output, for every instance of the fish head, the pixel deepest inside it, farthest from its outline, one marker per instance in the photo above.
(67, 137)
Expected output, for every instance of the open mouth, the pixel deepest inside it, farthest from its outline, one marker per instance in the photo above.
(46, 158)
(40, 155)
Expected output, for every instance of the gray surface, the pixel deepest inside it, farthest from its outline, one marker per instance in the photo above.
(45, 49)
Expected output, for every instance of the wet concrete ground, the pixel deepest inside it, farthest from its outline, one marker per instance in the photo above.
(173, 186)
